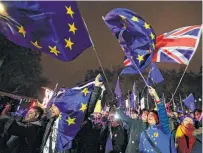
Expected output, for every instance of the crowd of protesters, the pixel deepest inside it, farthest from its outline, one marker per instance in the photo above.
(108, 131)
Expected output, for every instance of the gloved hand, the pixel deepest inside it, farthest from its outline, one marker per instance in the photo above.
(98, 83)
(154, 94)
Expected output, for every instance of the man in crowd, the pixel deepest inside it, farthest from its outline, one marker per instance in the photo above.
(51, 128)
(21, 137)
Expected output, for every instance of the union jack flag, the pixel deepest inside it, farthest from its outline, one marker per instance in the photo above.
(178, 46)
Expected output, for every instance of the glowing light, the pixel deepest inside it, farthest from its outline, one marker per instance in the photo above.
(48, 95)
(2, 8)
(116, 116)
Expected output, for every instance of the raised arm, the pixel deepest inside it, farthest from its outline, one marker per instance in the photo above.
(95, 96)
(124, 117)
(163, 117)
(19, 129)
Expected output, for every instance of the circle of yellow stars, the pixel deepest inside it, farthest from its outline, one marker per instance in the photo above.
(140, 58)
(68, 41)
(83, 108)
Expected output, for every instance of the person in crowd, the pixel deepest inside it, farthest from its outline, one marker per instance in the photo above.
(157, 137)
(22, 137)
(135, 127)
(185, 138)
(91, 137)
(51, 129)
(116, 136)
(134, 114)
(197, 118)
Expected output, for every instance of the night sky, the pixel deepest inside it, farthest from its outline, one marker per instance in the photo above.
(162, 16)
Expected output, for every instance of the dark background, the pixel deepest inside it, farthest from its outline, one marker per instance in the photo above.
(163, 16)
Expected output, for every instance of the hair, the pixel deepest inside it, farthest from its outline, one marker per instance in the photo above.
(39, 110)
(143, 110)
(134, 111)
(198, 110)
(155, 112)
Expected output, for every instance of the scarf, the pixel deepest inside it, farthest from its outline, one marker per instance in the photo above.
(181, 140)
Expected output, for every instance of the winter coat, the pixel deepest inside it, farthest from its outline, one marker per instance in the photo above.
(163, 142)
(22, 137)
(136, 127)
(198, 143)
(160, 135)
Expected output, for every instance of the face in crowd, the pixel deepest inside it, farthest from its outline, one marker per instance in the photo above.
(54, 111)
(134, 115)
(34, 114)
(197, 115)
(144, 115)
(188, 123)
(152, 118)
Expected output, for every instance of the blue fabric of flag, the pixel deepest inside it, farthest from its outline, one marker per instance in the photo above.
(190, 102)
(118, 93)
(155, 74)
(72, 105)
(135, 35)
(55, 28)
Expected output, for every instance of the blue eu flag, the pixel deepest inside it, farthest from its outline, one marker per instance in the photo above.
(155, 74)
(190, 102)
(135, 35)
(72, 105)
(55, 28)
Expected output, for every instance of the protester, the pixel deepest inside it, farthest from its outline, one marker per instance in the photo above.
(135, 127)
(51, 130)
(157, 137)
(185, 138)
(25, 136)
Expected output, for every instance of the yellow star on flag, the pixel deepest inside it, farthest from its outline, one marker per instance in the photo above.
(153, 45)
(152, 36)
(21, 30)
(122, 17)
(69, 11)
(147, 26)
(85, 91)
(54, 50)
(140, 58)
(134, 18)
(36, 44)
(72, 28)
(69, 43)
(70, 120)
(83, 107)
(60, 116)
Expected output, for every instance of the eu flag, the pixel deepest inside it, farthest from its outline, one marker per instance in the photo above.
(118, 93)
(55, 28)
(190, 102)
(155, 74)
(135, 35)
(72, 105)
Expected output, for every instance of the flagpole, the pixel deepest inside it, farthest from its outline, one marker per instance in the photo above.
(173, 103)
(147, 102)
(181, 102)
(164, 99)
(195, 48)
(99, 61)
(132, 61)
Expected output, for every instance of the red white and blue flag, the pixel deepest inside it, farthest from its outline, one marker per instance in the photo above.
(177, 46)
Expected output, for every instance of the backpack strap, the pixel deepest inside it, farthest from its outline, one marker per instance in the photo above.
(151, 143)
